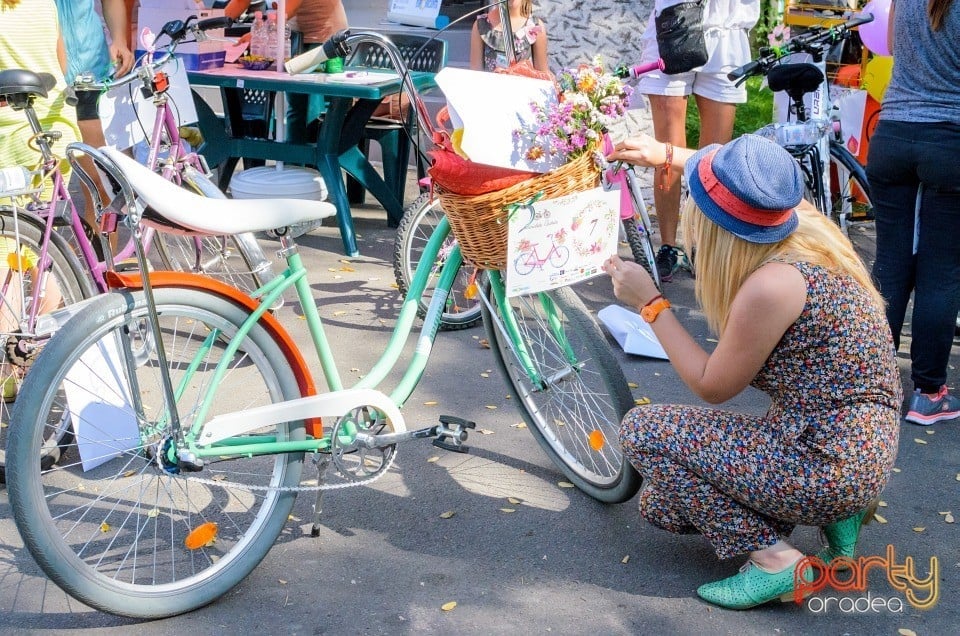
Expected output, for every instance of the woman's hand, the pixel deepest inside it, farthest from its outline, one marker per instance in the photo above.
(632, 284)
(644, 150)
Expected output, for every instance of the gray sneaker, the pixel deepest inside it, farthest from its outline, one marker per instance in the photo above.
(668, 261)
(925, 410)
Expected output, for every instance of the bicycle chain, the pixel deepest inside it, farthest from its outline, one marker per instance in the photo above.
(250, 487)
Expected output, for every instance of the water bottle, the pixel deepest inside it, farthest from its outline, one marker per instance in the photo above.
(271, 38)
(257, 35)
(14, 179)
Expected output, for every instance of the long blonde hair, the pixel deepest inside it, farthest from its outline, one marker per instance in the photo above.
(724, 261)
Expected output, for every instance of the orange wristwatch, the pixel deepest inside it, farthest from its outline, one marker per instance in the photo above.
(652, 309)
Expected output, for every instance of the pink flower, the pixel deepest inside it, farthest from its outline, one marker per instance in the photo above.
(529, 33)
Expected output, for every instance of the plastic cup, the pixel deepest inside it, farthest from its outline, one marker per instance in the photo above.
(334, 65)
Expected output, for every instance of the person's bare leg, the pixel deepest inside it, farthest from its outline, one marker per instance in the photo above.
(776, 557)
(669, 125)
(716, 121)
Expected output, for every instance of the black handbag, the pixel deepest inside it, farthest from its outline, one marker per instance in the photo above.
(680, 37)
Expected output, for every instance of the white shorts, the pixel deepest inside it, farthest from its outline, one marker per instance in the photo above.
(713, 86)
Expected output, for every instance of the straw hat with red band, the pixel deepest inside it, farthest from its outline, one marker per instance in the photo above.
(749, 187)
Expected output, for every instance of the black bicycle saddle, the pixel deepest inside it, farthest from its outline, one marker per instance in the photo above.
(796, 79)
(17, 85)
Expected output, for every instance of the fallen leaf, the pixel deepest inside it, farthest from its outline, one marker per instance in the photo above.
(625, 559)
(943, 513)
(430, 403)
(948, 518)
(491, 407)
(485, 431)
(435, 458)
(903, 631)
(104, 527)
(281, 582)
(919, 441)
(343, 260)
(484, 375)
(642, 401)
(293, 518)
(897, 470)
(565, 484)
(879, 518)
(958, 476)
(514, 500)
(130, 473)
(930, 431)
(919, 529)
(508, 510)
(882, 504)
(219, 477)
(347, 269)
(447, 514)
(339, 313)
(395, 286)
(633, 385)
(712, 340)
(484, 343)
(446, 607)
(519, 425)
(153, 513)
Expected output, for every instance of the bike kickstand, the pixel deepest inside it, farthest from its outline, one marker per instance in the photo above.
(322, 465)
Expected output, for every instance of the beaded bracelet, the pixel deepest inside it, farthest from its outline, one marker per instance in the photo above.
(665, 168)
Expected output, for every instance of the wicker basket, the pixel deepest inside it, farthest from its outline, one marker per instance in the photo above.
(479, 223)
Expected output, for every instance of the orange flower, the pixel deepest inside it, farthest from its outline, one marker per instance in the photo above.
(587, 83)
(535, 153)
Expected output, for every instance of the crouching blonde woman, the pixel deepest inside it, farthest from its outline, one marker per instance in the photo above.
(797, 317)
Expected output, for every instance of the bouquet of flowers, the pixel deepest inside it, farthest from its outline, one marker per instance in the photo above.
(590, 99)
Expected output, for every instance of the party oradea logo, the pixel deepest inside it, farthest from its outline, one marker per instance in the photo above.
(856, 586)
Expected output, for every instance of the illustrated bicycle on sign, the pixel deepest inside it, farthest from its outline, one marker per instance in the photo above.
(530, 260)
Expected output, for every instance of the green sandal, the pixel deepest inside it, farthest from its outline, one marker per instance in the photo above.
(841, 536)
(752, 586)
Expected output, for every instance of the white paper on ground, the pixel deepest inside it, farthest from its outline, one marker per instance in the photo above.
(631, 331)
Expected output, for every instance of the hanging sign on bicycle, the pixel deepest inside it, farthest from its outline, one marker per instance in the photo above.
(557, 242)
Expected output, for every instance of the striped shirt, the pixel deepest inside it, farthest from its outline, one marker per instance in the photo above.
(28, 40)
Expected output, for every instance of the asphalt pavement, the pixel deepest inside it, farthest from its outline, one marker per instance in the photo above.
(389, 560)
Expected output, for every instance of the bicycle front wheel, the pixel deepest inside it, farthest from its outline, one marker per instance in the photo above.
(219, 257)
(117, 526)
(64, 283)
(416, 227)
(570, 387)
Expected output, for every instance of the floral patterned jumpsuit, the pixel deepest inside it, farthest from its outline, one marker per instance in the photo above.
(823, 450)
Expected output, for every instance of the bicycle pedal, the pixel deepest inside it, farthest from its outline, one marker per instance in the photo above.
(453, 420)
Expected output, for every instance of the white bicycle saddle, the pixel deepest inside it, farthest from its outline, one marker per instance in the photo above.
(214, 216)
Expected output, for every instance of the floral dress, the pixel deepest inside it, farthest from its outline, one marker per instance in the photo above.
(823, 450)
(494, 47)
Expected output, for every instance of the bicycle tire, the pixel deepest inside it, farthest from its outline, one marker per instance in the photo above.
(113, 536)
(574, 406)
(74, 285)
(851, 204)
(641, 247)
(416, 227)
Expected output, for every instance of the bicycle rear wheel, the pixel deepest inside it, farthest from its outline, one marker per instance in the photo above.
(219, 257)
(66, 283)
(116, 527)
(574, 394)
(416, 227)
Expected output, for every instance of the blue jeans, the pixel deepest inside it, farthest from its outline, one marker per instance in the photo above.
(903, 157)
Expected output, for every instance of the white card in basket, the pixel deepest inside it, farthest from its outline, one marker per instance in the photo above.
(492, 106)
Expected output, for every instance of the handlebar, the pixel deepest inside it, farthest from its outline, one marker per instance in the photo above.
(177, 31)
(814, 41)
(624, 71)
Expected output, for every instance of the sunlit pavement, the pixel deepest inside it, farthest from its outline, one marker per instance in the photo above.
(388, 558)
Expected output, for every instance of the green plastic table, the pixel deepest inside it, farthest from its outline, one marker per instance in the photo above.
(349, 106)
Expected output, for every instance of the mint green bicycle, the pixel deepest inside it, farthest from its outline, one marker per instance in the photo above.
(192, 410)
